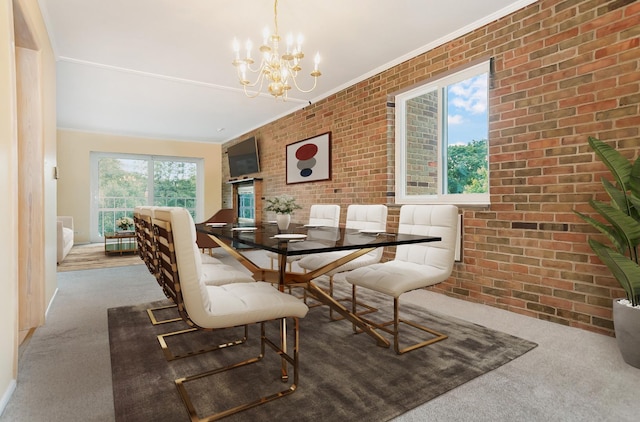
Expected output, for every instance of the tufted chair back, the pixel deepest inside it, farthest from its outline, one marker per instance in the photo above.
(327, 215)
(366, 217)
(431, 220)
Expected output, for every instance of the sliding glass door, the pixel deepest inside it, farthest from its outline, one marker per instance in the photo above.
(122, 182)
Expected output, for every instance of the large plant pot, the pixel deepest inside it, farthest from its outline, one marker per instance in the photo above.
(626, 321)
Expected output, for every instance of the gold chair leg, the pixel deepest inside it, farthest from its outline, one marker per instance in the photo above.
(280, 350)
(368, 308)
(155, 321)
(305, 297)
(289, 264)
(437, 336)
(169, 355)
(395, 331)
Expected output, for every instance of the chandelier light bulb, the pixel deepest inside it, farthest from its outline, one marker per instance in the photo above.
(243, 74)
(236, 50)
(289, 42)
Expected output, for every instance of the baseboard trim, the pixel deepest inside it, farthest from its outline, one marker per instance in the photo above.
(7, 396)
(46, 313)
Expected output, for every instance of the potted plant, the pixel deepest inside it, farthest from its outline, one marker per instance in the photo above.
(621, 227)
(283, 206)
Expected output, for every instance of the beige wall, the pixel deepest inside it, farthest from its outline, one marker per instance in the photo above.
(8, 206)
(32, 26)
(74, 148)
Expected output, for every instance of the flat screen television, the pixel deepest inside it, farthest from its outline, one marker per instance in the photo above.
(243, 158)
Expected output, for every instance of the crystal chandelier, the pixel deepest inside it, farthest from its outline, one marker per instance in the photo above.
(276, 70)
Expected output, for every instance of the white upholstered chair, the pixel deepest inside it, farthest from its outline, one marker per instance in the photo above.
(415, 266)
(207, 307)
(320, 215)
(142, 217)
(214, 272)
(65, 236)
(138, 225)
(359, 217)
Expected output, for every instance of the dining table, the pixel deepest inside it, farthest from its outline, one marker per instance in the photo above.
(300, 240)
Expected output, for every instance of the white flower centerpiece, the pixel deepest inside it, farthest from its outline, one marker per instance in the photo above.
(283, 206)
(124, 223)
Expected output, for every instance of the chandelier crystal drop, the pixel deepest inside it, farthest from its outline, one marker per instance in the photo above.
(277, 71)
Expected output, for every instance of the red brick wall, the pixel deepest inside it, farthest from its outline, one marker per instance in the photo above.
(564, 70)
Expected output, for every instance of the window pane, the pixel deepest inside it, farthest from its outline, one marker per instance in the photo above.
(245, 206)
(246, 201)
(174, 184)
(467, 134)
(422, 144)
(122, 184)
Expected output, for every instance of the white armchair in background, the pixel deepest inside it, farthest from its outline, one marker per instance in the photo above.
(65, 236)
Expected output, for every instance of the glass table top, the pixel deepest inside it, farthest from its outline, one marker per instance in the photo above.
(304, 239)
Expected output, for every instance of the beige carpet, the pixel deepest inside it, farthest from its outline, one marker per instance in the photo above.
(92, 256)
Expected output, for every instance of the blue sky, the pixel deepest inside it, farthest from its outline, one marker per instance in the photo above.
(467, 110)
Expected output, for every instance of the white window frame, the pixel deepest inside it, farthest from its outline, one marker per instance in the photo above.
(97, 156)
(401, 196)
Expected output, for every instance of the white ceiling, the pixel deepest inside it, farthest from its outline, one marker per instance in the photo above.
(162, 68)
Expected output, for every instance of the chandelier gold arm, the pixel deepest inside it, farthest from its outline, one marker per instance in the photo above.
(315, 82)
(239, 63)
(257, 91)
(250, 95)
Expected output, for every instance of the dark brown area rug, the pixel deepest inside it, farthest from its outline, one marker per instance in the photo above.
(343, 376)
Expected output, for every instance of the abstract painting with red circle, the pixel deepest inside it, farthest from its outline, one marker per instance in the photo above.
(309, 160)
